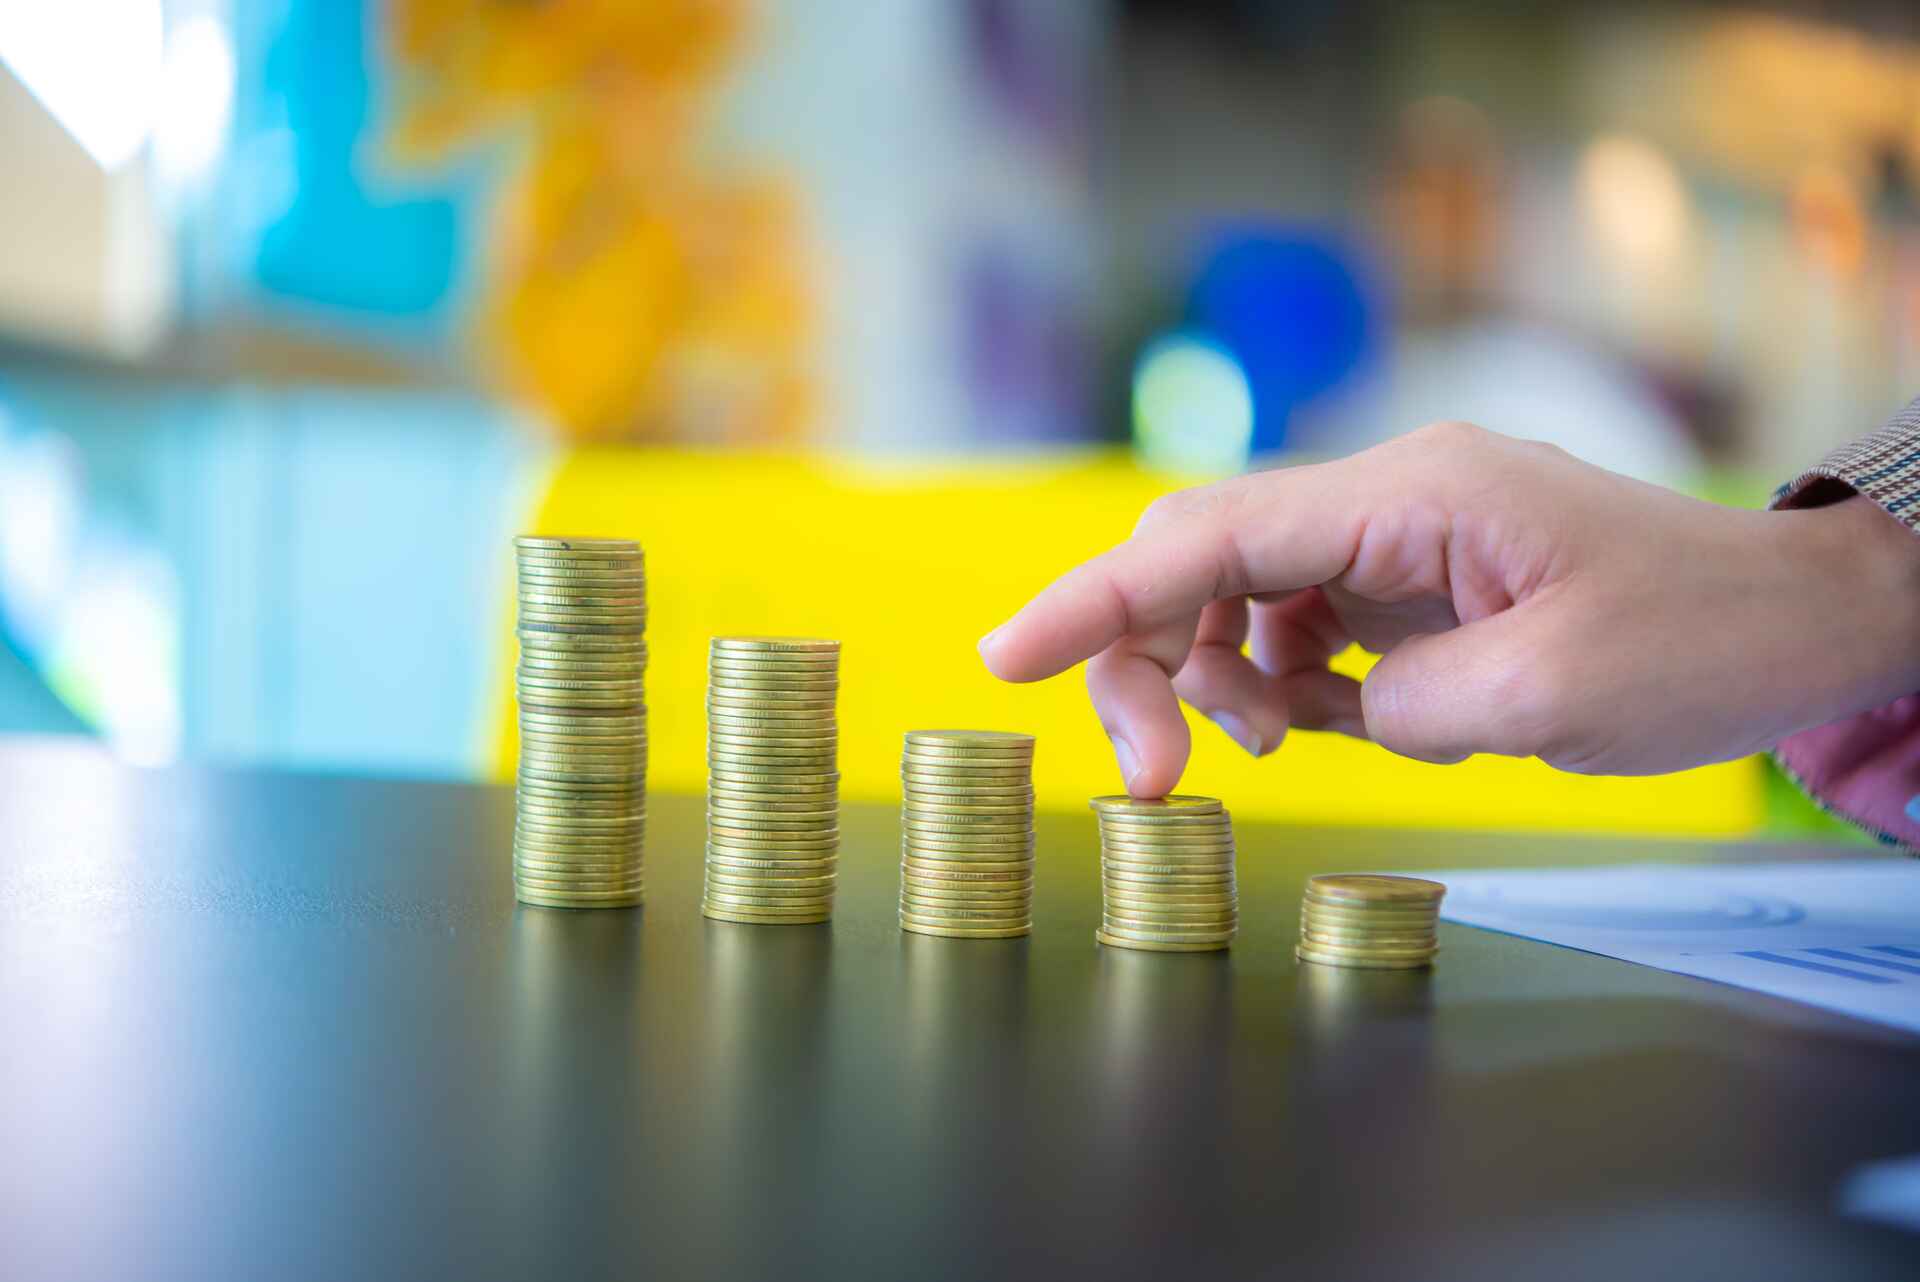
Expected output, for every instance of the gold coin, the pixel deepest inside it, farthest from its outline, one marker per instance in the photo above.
(1309, 954)
(633, 573)
(544, 628)
(775, 781)
(781, 659)
(932, 899)
(777, 645)
(765, 906)
(986, 891)
(737, 761)
(627, 877)
(607, 748)
(1374, 888)
(957, 883)
(745, 877)
(582, 599)
(584, 823)
(628, 623)
(991, 857)
(1171, 921)
(780, 754)
(942, 915)
(590, 646)
(971, 739)
(1134, 905)
(772, 673)
(781, 810)
(1155, 935)
(1145, 946)
(966, 771)
(1383, 950)
(729, 700)
(1133, 877)
(557, 700)
(942, 804)
(952, 932)
(772, 828)
(771, 870)
(987, 751)
(930, 781)
(967, 870)
(779, 745)
(773, 737)
(1215, 850)
(596, 563)
(546, 578)
(583, 789)
(1384, 914)
(545, 899)
(632, 800)
(1158, 870)
(590, 810)
(796, 801)
(624, 683)
(1168, 805)
(562, 845)
(803, 838)
(771, 897)
(627, 757)
(1202, 941)
(1385, 944)
(596, 545)
(1168, 821)
(773, 724)
(724, 850)
(752, 919)
(915, 822)
(949, 794)
(986, 843)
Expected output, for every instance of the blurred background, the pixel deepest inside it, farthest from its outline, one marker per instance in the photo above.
(867, 319)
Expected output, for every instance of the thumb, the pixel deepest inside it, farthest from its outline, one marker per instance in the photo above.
(1486, 686)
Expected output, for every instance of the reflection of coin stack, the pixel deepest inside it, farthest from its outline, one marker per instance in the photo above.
(1166, 874)
(773, 792)
(966, 868)
(581, 811)
(1371, 922)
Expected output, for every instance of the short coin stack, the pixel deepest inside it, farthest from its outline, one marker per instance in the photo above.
(1369, 921)
(966, 868)
(773, 791)
(581, 813)
(1166, 874)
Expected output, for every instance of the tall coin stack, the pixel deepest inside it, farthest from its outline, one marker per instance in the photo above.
(966, 868)
(773, 790)
(1370, 921)
(580, 822)
(1166, 874)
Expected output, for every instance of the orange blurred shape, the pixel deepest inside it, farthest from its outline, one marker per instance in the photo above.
(1830, 220)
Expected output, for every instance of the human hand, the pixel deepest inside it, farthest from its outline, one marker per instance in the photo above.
(1524, 603)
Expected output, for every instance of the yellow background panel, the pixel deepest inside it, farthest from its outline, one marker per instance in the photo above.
(909, 566)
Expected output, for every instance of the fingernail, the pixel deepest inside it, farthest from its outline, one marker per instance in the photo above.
(1239, 731)
(1129, 764)
(987, 641)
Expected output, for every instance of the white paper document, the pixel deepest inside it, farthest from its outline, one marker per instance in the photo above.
(1839, 934)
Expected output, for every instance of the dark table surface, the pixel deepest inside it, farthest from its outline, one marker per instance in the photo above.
(271, 1026)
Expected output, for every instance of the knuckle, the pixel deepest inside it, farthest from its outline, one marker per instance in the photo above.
(1166, 510)
(1450, 436)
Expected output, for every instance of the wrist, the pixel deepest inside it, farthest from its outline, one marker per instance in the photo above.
(1856, 585)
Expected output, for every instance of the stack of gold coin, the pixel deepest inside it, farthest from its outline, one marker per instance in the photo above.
(773, 790)
(581, 817)
(966, 869)
(1370, 921)
(1166, 874)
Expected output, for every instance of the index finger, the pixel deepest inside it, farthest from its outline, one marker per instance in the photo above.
(1268, 532)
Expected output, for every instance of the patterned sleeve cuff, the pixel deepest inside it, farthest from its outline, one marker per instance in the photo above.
(1865, 769)
(1884, 466)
